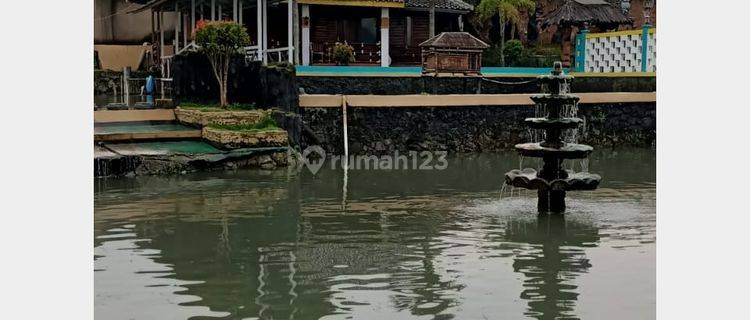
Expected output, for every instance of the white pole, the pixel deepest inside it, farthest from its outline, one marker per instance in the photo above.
(305, 35)
(385, 58)
(259, 21)
(234, 11)
(185, 28)
(177, 27)
(221, 17)
(345, 125)
(192, 15)
(289, 30)
(460, 22)
(240, 5)
(213, 9)
(265, 31)
(161, 34)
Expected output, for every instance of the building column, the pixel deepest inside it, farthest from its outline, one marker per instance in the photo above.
(305, 35)
(432, 19)
(265, 31)
(234, 11)
(461, 22)
(178, 20)
(192, 16)
(259, 20)
(580, 63)
(213, 10)
(295, 34)
(385, 58)
(644, 47)
(289, 31)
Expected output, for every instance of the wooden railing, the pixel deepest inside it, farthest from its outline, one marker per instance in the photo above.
(368, 53)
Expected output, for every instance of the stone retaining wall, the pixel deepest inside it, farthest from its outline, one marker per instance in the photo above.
(229, 139)
(200, 118)
(469, 129)
(463, 85)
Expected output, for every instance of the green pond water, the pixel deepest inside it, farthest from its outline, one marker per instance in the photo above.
(382, 245)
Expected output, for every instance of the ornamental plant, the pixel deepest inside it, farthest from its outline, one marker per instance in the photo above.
(220, 41)
(342, 53)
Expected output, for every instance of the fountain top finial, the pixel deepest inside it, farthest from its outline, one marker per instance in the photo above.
(557, 68)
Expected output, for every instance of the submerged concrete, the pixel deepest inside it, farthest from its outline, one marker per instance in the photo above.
(149, 158)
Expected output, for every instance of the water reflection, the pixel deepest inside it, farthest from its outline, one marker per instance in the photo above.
(557, 256)
(274, 245)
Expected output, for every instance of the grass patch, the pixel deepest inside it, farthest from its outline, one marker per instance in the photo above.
(216, 108)
(265, 124)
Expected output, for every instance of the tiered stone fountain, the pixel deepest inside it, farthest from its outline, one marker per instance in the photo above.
(556, 116)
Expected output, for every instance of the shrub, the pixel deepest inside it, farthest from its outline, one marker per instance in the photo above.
(342, 53)
(518, 56)
(514, 51)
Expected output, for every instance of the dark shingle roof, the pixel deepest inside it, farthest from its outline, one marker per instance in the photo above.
(451, 5)
(580, 11)
(462, 40)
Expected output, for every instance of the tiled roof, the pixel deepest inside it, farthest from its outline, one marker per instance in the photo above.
(455, 5)
(454, 40)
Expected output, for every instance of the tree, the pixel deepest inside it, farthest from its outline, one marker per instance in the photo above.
(219, 41)
(507, 11)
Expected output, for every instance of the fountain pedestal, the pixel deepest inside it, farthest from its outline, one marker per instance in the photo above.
(557, 109)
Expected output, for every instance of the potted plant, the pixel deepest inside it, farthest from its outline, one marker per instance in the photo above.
(342, 53)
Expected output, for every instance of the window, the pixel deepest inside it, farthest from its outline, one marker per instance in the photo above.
(368, 30)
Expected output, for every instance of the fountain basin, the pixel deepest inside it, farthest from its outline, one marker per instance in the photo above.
(559, 99)
(567, 151)
(546, 123)
(527, 179)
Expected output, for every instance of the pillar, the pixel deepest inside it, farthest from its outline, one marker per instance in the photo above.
(289, 30)
(644, 48)
(552, 201)
(234, 11)
(185, 23)
(566, 33)
(385, 58)
(305, 35)
(432, 19)
(178, 23)
(160, 22)
(557, 201)
(461, 22)
(580, 63)
(192, 15)
(265, 32)
(295, 35)
(213, 10)
(259, 20)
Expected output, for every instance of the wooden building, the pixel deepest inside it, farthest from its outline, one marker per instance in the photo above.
(382, 32)
(573, 15)
(452, 52)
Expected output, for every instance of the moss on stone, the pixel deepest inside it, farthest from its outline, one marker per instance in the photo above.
(216, 107)
(265, 124)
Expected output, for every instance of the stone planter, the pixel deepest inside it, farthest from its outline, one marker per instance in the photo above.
(245, 139)
(203, 118)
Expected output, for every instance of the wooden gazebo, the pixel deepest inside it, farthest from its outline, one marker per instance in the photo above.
(581, 14)
(452, 52)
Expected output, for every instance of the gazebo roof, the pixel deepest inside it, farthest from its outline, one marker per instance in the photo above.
(574, 12)
(441, 5)
(462, 40)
